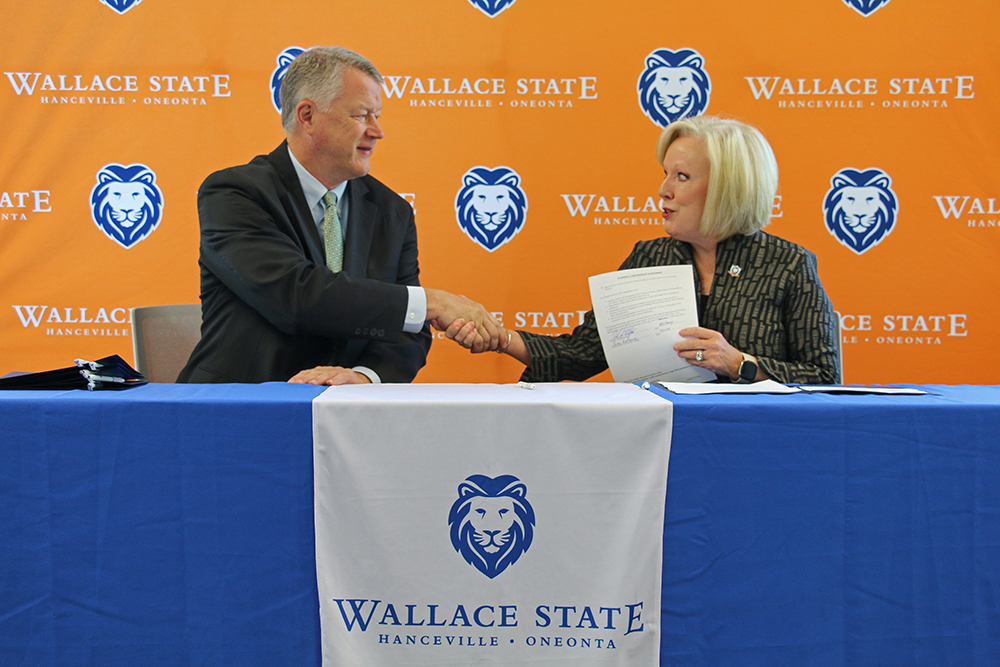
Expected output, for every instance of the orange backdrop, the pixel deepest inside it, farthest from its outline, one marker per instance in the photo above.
(547, 88)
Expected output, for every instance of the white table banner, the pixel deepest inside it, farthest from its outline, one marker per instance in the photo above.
(490, 524)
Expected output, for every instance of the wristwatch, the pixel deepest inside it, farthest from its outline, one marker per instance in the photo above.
(748, 370)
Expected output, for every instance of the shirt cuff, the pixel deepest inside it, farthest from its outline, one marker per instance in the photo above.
(416, 309)
(368, 373)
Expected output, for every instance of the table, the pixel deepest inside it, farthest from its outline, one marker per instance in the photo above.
(172, 525)
(834, 530)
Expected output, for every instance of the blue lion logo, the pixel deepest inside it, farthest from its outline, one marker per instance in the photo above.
(491, 206)
(126, 203)
(866, 7)
(491, 7)
(673, 86)
(284, 59)
(492, 522)
(121, 6)
(860, 209)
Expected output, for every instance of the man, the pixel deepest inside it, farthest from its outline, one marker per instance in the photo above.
(286, 286)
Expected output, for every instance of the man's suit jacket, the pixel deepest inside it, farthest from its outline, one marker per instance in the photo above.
(270, 306)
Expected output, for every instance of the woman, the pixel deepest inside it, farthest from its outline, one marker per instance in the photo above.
(762, 310)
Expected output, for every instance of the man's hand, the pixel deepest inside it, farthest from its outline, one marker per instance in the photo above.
(465, 334)
(444, 308)
(331, 375)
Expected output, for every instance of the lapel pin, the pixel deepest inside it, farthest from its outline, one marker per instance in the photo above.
(735, 271)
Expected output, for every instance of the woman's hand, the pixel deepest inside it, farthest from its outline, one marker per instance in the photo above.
(465, 334)
(717, 355)
(511, 343)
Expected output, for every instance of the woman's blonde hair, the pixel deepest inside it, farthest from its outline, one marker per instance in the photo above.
(743, 174)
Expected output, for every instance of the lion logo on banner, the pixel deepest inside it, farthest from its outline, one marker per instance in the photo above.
(860, 209)
(491, 7)
(284, 59)
(491, 206)
(120, 6)
(866, 7)
(492, 523)
(126, 204)
(674, 85)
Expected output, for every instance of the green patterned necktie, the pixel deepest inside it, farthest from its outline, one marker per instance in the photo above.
(333, 236)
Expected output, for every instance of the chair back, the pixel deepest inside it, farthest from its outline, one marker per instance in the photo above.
(840, 344)
(163, 337)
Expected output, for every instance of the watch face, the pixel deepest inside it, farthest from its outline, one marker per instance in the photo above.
(748, 371)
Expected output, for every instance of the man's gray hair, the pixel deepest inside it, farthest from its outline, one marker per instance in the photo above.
(318, 75)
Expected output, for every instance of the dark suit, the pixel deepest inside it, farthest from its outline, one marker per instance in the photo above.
(271, 308)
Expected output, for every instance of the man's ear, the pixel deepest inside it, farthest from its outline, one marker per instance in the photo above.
(305, 112)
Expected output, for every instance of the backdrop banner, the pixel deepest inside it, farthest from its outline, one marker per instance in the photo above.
(115, 111)
(517, 527)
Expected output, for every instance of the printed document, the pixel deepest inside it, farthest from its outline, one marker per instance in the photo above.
(639, 314)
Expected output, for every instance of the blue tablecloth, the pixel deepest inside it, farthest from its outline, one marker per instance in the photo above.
(834, 530)
(172, 525)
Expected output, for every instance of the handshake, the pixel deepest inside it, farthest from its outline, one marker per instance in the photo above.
(463, 321)
(466, 322)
